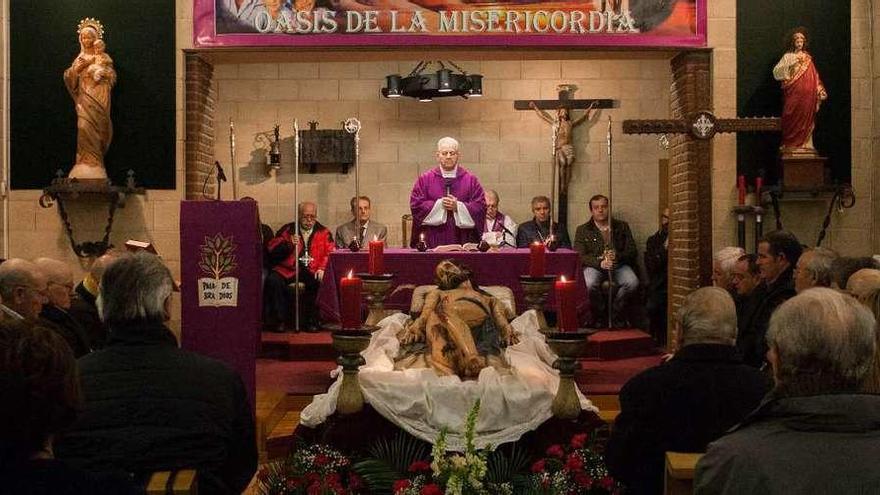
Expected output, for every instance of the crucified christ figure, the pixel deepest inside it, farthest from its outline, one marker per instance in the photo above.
(564, 148)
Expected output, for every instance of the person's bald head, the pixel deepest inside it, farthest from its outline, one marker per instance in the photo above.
(863, 282)
(23, 287)
(101, 264)
(59, 278)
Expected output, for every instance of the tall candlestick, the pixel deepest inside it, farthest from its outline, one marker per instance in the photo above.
(536, 259)
(350, 294)
(376, 260)
(741, 189)
(566, 305)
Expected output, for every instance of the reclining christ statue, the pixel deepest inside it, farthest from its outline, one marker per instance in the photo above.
(424, 374)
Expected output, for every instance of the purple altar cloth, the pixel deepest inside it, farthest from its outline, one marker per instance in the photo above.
(411, 267)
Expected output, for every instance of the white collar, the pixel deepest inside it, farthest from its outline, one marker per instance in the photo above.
(450, 174)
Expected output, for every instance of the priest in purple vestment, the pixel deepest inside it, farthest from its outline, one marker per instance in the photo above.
(446, 201)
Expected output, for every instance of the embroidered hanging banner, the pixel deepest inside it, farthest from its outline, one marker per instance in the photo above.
(630, 23)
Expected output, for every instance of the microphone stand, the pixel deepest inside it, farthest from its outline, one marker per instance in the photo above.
(221, 177)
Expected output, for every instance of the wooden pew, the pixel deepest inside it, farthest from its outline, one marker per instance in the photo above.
(183, 482)
(680, 472)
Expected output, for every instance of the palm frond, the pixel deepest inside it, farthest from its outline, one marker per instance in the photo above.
(505, 463)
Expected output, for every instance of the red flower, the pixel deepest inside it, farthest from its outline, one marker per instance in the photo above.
(418, 466)
(573, 463)
(401, 485)
(583, 480)
(314, 489)
(355, 482)
(334, 480)
(607, 482)
(293, 483)
(579, 440)
(312, 478)
(322, 460)
(431, 489)
(539, 466)
(556, 451)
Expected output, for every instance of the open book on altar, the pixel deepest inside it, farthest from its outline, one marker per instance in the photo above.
(445, 248)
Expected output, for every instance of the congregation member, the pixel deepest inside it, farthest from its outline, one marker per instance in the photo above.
(538, 228)
(59, 288)
(688, 401)
(289, 256)
(150, 406)
(814, 268)
(844, 266)
(446, 201)
(815, 432)
(745, 278)
(656, 265)
(722, 267)
(870, 297)
(41, 396)
(23, 289)
(862, 283)
(83, 307)
(497, 228)
(778, 253)
(600, 254)
(361, 229)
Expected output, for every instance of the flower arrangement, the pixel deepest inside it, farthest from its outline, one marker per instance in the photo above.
(313, 470)
(573, 469)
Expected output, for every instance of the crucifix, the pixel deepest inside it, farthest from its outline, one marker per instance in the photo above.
(562, 145)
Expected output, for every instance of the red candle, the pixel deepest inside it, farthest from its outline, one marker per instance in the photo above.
(376, 260)
(536, 259)
(350, 293)
(759, 184)
(566, 305)
(741, 189)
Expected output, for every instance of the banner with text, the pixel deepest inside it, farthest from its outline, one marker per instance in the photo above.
(636, 23)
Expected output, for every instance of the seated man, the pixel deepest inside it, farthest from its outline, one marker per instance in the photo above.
(497, 228)
(814, 268)
(688, 401)
(360, 229)
(722, 267)
(55, 311)
(816, 432)
(600, 255)
(41, 397)
(150, 406)
(83, 308)
(288, 256)
(538, 228)
(460, 330)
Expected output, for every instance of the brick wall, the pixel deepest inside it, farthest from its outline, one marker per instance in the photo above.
(200, 127)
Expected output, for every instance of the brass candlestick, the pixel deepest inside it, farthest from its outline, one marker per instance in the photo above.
(350, 344)
(376, 288)
(536, 291)
(568, 346)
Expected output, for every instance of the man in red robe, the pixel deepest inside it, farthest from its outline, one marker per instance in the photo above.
(446, 201)
(287, 256)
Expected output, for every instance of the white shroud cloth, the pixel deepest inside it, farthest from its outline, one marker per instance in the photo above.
(421, 402)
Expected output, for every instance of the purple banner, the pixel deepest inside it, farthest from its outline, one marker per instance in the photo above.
(267, 23)
(221, 272)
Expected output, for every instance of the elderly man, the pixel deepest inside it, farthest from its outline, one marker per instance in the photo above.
(813, 269)
(150, 406)
(497, 228)
(361, 229)
(55, 311)
(446, 201)
(778, 253)
(600, 254)
(23, 288)
(815, 433)
(538, 228)
(722, 267)
(687, 402)
(844, 266)
(83, 308)
(288, 256)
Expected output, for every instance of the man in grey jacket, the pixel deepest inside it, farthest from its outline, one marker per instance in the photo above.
(815, 433)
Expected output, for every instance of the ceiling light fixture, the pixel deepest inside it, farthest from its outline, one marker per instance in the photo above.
(425, 86)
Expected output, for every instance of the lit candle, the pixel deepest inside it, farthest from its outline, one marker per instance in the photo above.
(741, 189)
(376, 260)
(350, 293)
(566, 305)
(536, 259)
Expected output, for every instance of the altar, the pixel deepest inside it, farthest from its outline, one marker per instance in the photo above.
(413, 268)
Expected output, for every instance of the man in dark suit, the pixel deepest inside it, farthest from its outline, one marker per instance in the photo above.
(687, 402)
(82, 306)
(538, 228)
(361, 228)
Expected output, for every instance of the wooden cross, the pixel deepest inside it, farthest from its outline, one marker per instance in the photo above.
(565, 100)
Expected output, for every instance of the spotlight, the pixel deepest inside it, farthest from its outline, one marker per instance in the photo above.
(392, 86)
(444, 81)
(476, 83)
(425, 85)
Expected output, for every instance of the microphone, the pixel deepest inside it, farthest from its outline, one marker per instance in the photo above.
(448, 183)
(220, 175)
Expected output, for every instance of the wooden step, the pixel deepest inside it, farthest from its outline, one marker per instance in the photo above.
(271, 407)
(278, 441)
